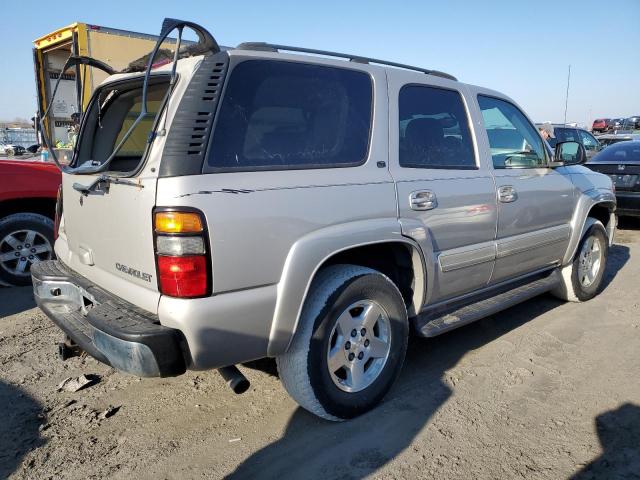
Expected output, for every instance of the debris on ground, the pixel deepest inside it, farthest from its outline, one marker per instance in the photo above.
(544, 387)
(73, 384)
(109, 412)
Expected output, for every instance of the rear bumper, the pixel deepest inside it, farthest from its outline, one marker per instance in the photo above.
(628, 203)
(106, 327)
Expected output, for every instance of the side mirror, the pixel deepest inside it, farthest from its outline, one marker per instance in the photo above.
(570, 153)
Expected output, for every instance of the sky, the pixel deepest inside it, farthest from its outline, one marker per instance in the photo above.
(521, 48)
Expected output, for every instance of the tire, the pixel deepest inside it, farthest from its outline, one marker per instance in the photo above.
(16, 258)
(573, 287)
(338, 299)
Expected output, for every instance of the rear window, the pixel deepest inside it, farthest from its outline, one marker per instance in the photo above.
(113, 111)
(620, 153)
(284, 115)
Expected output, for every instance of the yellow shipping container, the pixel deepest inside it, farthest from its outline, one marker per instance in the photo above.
(117, 48)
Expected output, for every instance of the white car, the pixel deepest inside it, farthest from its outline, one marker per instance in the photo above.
(11, 150)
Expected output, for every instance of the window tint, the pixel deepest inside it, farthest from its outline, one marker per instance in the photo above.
(279, 115)
(514, 142)
(434, 130)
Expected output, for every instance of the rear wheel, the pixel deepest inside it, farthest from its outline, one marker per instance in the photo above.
(350, 344)
(25, 239)
(582, 279)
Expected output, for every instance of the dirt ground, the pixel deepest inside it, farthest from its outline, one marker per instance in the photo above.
(543, 390)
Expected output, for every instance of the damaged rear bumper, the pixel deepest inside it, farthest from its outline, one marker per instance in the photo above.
(106, 327)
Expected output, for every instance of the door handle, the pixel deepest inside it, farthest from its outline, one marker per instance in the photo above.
(422, 200)
(507, 194)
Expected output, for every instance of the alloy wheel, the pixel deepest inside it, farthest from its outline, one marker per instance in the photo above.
(21, 249)
(359, 346)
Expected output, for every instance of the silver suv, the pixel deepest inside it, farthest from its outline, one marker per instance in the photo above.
(267, 201)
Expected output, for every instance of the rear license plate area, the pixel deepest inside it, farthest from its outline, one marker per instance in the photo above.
(624, 181)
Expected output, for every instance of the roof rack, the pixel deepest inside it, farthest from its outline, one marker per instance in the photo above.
(271, 47)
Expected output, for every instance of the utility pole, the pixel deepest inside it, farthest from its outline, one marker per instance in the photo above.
(566, 100)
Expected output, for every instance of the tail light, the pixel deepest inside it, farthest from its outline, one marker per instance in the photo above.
(58, 213)
(183, 262)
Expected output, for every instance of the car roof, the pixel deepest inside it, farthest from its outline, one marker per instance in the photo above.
(277, 48)
(407, 73)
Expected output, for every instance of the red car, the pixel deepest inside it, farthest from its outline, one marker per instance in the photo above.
(600, 125)
(28, 192)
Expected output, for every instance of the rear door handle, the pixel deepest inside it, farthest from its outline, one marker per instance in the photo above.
(507, 194)
(423, 200)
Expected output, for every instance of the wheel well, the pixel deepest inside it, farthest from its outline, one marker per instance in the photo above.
(43, 206)
(394, 259)
(601, 212)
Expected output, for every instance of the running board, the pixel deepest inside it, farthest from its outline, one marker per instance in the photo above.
(429, 325)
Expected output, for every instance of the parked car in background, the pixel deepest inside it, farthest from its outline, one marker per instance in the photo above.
(28, 191)
(616, 124)
(622, 163)
(11, 150)
(632, 123)
(600, 125)
(612, 138)
(565, 133)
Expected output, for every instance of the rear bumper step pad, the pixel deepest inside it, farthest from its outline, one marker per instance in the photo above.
(106, 327)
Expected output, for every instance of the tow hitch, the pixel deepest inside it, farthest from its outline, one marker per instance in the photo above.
(68, 349)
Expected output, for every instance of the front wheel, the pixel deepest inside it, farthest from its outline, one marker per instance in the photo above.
(582, 279)
(350, 344)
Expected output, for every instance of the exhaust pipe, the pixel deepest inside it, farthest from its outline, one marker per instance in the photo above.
(68, 349)
(235, 379)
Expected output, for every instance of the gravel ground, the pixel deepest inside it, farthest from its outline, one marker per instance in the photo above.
(542, 390)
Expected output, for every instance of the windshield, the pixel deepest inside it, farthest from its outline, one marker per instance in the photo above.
(112, 112)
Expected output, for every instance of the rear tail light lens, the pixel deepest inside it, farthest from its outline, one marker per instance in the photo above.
(177, 246)
(178, 222)
(183, 276)
(181, 254)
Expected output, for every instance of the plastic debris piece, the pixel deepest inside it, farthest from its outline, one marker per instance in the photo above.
(72, 384)
(109, 412)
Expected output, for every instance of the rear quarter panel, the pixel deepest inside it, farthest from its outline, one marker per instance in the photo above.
(258, 222)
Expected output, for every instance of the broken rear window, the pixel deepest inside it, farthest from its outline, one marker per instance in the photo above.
(110, 116)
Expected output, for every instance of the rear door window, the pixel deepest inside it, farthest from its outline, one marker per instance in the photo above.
(283, 115)
(434, 129)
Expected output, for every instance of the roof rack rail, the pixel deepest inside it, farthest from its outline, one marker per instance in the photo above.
(272, 47)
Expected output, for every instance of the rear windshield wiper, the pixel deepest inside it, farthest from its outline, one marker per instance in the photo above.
(102, 183)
